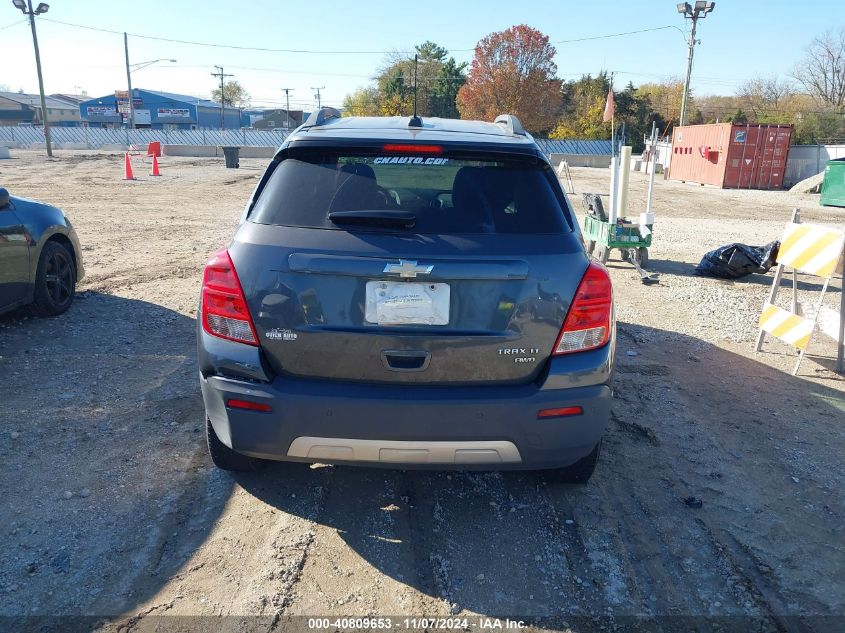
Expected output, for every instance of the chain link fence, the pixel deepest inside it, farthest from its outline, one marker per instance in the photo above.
(95, 138)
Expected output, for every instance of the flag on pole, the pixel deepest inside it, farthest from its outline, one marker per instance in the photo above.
(609, 108)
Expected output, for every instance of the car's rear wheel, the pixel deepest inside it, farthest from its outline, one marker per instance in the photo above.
(224, 457)
(55, 280)
(579, 472)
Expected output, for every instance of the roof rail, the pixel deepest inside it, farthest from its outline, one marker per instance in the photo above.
(321, 117)
(510, 123)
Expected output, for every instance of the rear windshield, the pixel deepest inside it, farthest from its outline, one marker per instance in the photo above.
(432, 194)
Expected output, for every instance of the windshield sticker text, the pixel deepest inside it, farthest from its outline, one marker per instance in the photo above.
(409, 160)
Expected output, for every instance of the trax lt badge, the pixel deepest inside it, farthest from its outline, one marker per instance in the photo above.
(281, 335)
(407, 269)
(520, 355)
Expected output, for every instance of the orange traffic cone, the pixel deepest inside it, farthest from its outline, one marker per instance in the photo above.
(128, 175)
(155, 171)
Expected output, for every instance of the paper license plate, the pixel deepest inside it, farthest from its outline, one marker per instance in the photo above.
(406, 303)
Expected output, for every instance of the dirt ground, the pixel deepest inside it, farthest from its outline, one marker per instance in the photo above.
(111, 509)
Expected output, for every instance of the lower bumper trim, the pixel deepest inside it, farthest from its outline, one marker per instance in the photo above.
(404, 452)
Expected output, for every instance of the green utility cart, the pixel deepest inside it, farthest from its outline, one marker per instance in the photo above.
(600, 234)
(833, 186)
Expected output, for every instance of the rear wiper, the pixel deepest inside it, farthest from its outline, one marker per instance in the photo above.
(401, 219)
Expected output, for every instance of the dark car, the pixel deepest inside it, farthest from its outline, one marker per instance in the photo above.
(40, 258)
(407, 293)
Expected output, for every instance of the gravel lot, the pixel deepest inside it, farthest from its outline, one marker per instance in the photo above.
(111, 508)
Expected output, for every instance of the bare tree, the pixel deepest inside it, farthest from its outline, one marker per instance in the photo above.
(822, 71)
(765, 96)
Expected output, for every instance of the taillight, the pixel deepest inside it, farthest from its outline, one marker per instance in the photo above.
(587, 325)
(224, 310)
(405, 148)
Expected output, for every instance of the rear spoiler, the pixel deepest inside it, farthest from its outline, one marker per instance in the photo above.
(511, 124)
(321, 117)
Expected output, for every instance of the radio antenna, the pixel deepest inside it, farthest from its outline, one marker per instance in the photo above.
(415, 120)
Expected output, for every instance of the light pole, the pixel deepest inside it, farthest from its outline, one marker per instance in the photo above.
(699, 10)
(25, 7)
(130, 68)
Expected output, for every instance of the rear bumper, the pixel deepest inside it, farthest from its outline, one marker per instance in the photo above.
(436, 427)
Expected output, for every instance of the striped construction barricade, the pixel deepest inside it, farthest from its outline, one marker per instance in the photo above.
(812, 250)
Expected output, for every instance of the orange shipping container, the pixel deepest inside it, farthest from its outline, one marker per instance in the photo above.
(731, 155)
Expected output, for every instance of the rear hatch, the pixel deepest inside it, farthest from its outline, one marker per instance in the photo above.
(409, 264)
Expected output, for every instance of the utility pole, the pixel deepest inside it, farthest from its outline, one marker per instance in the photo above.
(222, 76)
(317, 95)
(27, 10)
(699, 10)
(287, 92)
(129, 82)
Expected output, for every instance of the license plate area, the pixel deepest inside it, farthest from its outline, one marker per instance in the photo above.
(407, 303)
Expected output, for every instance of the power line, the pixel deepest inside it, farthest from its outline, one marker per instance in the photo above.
(331, 52)
(8, 26)
(603, 37)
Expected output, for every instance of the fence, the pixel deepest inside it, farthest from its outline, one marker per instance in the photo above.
(550, 146)
(808, 160)
(95, 138)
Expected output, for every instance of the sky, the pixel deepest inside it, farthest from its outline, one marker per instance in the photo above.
(344, 43)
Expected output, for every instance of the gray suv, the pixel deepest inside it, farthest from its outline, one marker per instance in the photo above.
(407, 293)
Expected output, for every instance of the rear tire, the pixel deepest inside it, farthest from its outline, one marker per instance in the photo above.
(642, 251)
(55, 280)
(590, 246)
(579, 472)
(225, 458)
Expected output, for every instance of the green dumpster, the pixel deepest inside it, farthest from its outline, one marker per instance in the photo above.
(833, 186)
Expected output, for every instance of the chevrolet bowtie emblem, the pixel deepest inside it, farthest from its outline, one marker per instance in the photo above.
(408, 269)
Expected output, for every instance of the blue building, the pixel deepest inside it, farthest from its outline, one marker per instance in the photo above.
(158, 110)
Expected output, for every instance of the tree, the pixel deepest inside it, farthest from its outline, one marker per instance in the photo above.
(666, 99)
(822, 71)
(233, 94)
(513, 72)
(583, 112)
(715, 107)
(768, 99)
(396, 97)
(737, 117)
(443, 95)
(428, 51)
(635, 110)
(362, 102)
(436, 76)
(817, 127)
